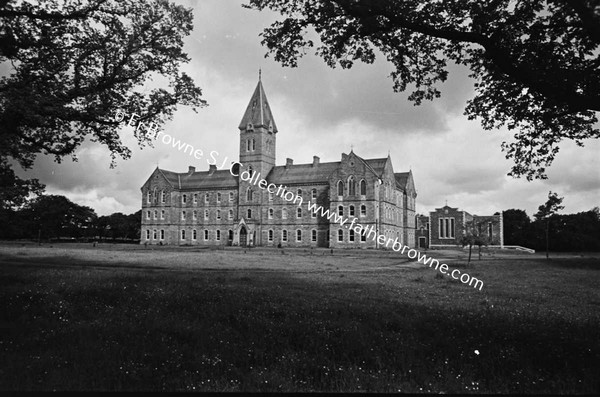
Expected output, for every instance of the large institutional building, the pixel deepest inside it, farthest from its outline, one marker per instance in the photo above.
(217, 207)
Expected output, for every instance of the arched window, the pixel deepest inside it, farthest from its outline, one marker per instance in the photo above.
(162, 196)
(183, 234)
(205, 235)
(271, 212)
(363, 188)
(340, 188)
(194, 234)
(230, 235)
(249, 213)
(253, 144)
(284, 235)
(218, 214)
(299, 213)
(314, 194)
(284, 213)
(218, 235)
(341, 210)
(149, 197)
(340, 235)
(298, 235)
(249, 194)
(313, 235)
(351, 210)
(271, 235)
(351, 235)
(351, 186)
(155, 196)
(363, 210)
(230, 215)
(299, 192)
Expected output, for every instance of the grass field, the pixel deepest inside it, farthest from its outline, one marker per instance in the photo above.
(77, 317)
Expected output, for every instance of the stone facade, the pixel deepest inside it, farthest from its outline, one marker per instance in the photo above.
(447, 225)
(217, 207)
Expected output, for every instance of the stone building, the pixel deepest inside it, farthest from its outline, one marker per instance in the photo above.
(445, 226)
(217, 207)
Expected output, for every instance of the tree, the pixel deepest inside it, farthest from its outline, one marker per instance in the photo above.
(536, 63)
(516, 224)
(545, 212)
(76, 64)
(52, 216)
(475, 234)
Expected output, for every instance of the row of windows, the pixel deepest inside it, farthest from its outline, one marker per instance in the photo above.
(446, 227)
(352, 187)
(351, 212)
(184, 198)
(160, 234)
(284, 235)
(351, 236)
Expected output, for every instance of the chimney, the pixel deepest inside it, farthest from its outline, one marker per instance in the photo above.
(211, 169)
(289, 161)
(316, 160)
(191, 169)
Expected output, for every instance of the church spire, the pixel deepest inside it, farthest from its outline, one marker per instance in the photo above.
(258, 113)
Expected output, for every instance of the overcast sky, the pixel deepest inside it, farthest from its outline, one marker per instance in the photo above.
(324, 112)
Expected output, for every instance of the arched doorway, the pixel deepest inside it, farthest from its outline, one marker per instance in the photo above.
(243, 236)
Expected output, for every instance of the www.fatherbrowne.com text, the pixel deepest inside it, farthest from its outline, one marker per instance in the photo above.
(369, 231)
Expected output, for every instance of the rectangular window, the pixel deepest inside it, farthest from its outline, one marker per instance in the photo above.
(340, 236)
(298, 235)
(451, 227)
(363, 237)
(147, 214)
(206, 235)
(149, 198)
(148, 234)
(218, 235)
(341, 210)
(183, 234)
(270, 235)
(313, 236)
(314, 194)
(205, 215)
(162, 197)
(313, 214)
(155, 215)
(206, 198)
(442, 230)
(351, 210)
(162, 214)
(299, 212)
(490, 230)
(284, 235)
(154, 234)
(363, 210)
(162, 234)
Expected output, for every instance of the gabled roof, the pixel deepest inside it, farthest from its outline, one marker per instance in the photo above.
(258, 111)
(401, 179)
(201, 180)
(302, 173)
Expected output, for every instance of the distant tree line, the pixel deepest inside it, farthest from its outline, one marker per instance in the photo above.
(53, 217)
(571, 232)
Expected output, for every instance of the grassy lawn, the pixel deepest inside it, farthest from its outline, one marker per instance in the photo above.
(128, 318)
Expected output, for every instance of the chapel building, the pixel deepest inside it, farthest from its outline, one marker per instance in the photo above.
(217, 207)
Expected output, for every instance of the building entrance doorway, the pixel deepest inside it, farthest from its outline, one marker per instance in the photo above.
(243, 237)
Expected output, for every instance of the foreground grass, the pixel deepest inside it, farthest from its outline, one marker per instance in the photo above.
(86, 327)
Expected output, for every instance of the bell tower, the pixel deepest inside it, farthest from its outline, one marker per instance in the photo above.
(258, 133)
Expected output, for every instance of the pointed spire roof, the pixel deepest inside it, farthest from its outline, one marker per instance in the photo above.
(258, 111)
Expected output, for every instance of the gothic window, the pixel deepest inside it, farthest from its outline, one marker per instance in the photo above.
(314, 194)
(351, 235)
(363, 210)
(298, 235)
(313, 235)
(284, 213)
(284, 235)
(270, 213)
(351, 210)
(299, 213)
(363, 188)
(351, 186)
(271, 235)
(341, 210)
(249, 213)
(340, 188)
(340, 235)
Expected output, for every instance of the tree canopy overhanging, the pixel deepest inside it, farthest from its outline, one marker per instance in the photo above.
(536, 64)
(72, 64)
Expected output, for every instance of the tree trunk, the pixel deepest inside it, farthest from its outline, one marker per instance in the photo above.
(547, 238)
